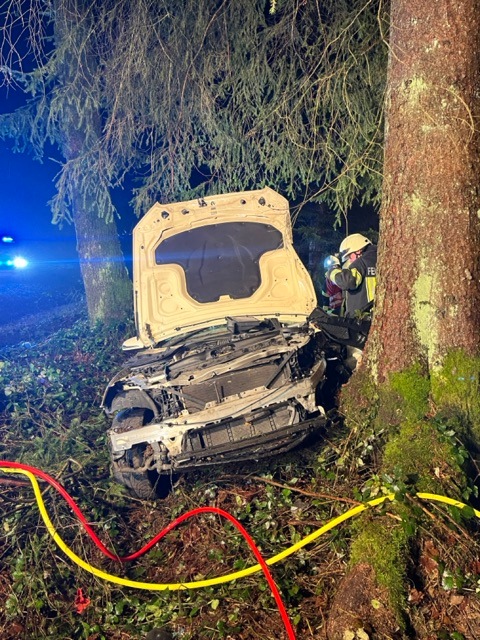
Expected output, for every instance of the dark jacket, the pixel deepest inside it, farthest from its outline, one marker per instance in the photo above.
(358, 280)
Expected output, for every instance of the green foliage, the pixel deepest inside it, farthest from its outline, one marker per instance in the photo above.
(50, 417)
(233, 95)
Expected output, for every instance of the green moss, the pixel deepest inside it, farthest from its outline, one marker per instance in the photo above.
(390, 408)
(116, 300)
(414, 90)
(383, 546)
(421, 457)
(422, 454)
(456, 390)
(417, 204)
(404, 396)
(359, 399)
(424, 313)
(413, 387)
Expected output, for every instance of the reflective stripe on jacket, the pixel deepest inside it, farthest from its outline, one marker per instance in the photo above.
(358, 280)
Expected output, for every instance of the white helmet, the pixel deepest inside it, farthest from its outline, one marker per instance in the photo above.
(353, 243)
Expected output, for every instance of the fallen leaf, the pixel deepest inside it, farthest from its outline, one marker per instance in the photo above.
(415, 596)
(429, 564)
(431, 549)
(15, 629)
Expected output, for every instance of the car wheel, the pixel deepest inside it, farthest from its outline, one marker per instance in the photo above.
(127, 471)
(137, 482)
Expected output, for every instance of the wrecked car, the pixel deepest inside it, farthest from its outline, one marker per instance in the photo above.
(230, 358)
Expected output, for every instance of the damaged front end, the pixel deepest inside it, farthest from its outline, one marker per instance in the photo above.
(244, 391)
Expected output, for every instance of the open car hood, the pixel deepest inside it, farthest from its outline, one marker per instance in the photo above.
(196, 263)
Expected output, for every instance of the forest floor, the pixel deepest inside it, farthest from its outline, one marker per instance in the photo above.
(53, 369)
(35, 305)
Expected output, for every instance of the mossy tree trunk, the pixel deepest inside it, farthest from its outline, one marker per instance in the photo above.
(429, 270)
(108, 288)
(420, 375)
(107, 285)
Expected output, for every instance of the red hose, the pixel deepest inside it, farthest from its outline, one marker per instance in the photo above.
(56, 485)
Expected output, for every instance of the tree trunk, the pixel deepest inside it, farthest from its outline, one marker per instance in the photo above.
(429, 273)
(422, 353)
(107, 285)
(108, 288)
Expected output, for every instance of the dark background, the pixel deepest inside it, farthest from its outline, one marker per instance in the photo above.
(52, 277)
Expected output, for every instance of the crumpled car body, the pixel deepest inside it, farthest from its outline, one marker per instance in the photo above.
(226, 365)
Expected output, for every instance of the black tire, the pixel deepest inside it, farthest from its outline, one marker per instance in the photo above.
(137, 482)
(140, 484)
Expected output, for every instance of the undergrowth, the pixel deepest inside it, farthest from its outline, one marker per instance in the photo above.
(50, 417)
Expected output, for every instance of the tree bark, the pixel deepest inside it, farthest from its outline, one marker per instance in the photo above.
(427, 311)
(429, 273)
(107, 284)
(108, 288)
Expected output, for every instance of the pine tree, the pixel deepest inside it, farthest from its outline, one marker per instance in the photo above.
(64, 109)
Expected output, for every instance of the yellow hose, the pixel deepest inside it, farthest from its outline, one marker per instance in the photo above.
(198, 584)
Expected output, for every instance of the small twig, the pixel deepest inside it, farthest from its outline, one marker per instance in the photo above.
(313, 523)
(66, 464)
(18, 508)
(13, 482)
(311, 494)
(454, 523)
(437, 520)
(308, 523)
(393, 516)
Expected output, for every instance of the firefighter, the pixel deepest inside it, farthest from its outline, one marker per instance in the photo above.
(357, 275)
